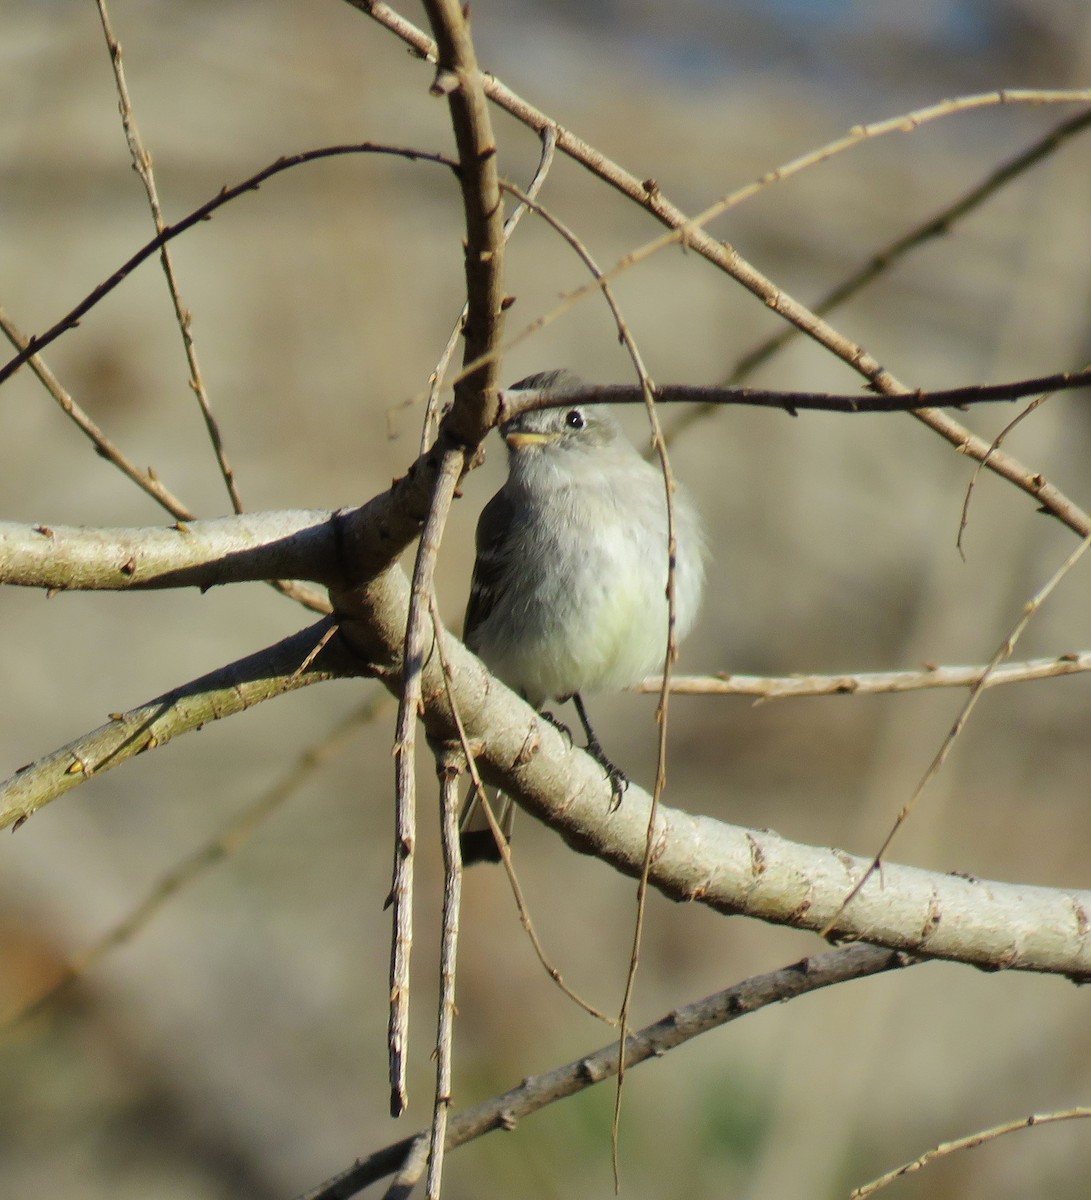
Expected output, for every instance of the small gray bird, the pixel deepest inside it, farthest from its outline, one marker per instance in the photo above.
(569, 590)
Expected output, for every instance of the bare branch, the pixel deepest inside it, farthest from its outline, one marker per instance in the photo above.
(221, 693)
(730, 869)
(435, 380)
(733, 870)
(459, 78)
(680, 1026)
(142, 164)
(997, 442)
(405, 834)
(472, 414)
(449, 766)
(766, 687)
(234, 835)
(967, 1143)
(72, 318)
(409, 1169)
(294, 544)
(515, 402)
(649, 196)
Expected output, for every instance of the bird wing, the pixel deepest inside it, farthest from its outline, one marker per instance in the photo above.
(493, 527)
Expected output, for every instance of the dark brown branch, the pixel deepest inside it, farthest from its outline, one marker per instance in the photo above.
(72, 318)
(459, 78)
(535, 1093)
(512, 403)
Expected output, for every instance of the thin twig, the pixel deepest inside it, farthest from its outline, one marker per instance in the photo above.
(145, 480)
(501, 841)
(458, 77)
(869, 683)
(142, 164)
(794, 402)
(670, 654)
(938, 225)
(231, 838)
(967, 1143)
(449, 766)
(431, 421)
(1037, 402)
(997, 442)
(1003, 651)
(251, 184)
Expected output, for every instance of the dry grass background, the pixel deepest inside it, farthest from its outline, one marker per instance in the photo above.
(236, 1048)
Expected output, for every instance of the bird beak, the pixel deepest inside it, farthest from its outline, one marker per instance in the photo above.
(517, 439)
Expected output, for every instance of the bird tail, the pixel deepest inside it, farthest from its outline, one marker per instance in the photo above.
(475, 835)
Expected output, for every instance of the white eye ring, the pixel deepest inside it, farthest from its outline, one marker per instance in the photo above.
(573, 418)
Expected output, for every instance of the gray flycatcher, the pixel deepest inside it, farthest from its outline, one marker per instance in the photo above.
(569, 590)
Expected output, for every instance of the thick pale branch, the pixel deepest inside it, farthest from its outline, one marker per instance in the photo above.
(221, 693)
(297, 544)
(734, 870)
(756, 873)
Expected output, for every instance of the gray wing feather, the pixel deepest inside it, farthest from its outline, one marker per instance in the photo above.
(493, 527)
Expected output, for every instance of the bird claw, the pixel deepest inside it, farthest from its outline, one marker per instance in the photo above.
(619, 781)
(559, 725)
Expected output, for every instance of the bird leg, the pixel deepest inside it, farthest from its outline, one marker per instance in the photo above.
(619, 781)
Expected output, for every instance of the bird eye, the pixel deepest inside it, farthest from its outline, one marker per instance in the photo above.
(573, 418)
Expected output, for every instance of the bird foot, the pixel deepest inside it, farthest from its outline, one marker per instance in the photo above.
(557, 724)
(619, 781)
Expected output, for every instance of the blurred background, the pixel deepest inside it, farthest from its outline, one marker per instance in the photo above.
(236, 1047)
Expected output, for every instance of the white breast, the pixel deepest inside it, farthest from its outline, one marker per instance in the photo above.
(588, 613)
